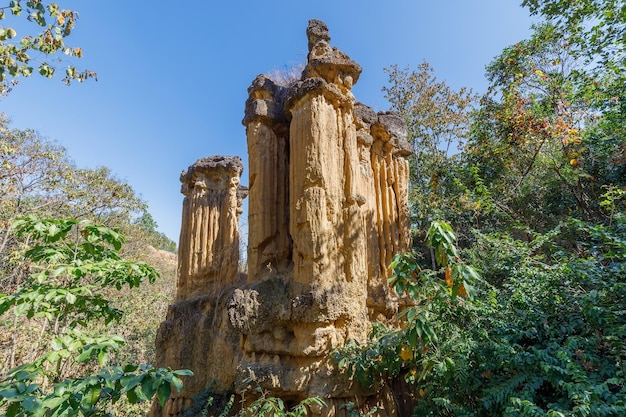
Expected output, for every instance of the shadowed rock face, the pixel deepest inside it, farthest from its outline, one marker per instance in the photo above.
(328, 208)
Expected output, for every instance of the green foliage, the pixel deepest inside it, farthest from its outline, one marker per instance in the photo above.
(438, 121)
(158, 240)
(88, 395)
(211, 403)
(542, 144)
(543, 335)
(596, 27)
(37, 177)
(537, 194)
(430, 323)
(72, 263)
(353, 410)
(557, 332)
(55, 24)
(526, 144)
(275, 407)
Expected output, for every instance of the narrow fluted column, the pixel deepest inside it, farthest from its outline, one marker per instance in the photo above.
(208, 253)
(324, 166)
(267, 131)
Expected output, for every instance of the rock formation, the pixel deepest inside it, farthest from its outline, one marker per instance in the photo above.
(328, 207)
(210, 226)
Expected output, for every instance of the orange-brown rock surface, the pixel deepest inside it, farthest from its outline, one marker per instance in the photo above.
(328, 208)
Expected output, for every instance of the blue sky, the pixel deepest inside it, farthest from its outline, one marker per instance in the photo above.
(172, 76)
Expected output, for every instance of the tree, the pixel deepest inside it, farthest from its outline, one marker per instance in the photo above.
(546, 140)
(419, 350)
(158, 240)
(541, 334)
(544, 173)
(20, 54)
(38, 177)
(597, 28)
(438, 121)
(72, 263)
(526, 141)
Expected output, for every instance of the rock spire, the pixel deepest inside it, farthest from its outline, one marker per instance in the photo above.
(327, 209)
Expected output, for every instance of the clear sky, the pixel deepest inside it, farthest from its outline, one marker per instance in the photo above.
(172, 76)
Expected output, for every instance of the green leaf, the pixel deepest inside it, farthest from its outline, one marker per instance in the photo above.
(51, 403)
(13, 410)
(129, 382)
(177, 383)
(132, 396)
(32, 405)
(164, 392)
(148, 388)
(58, 271)
(103, 357)
(85, 355)
(70, 298)
(15, 7)
(91, 397)
(129, 367)
(8, 393)
(183, 372)
(21, 308)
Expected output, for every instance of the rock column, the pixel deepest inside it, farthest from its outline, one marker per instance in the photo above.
(208, 253)
(390, 170)
(267, 131)
(322, 170)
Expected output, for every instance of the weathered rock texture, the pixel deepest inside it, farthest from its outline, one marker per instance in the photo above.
(209, 239)
(328, 208)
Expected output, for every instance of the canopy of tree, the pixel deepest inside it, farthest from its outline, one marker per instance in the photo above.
(42, 47)
(60, 291)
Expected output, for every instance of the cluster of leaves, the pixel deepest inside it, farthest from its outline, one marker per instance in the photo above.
(268, 406)
(62, 292)
(72, 262)
(553, 324)
(596, 27)
(532, 136)
(541, 145)
(210, 403)
(428, 324)
(16, 52)
(69, 268)
(438, 122)
(544, 334)
(38, 177)
(87, 395)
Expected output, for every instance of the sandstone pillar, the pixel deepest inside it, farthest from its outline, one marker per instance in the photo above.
(324, 166)
(208, 252)
(267, 131)
(390, 169)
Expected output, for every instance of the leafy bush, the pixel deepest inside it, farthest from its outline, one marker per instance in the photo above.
(543, 335)
(72, 263)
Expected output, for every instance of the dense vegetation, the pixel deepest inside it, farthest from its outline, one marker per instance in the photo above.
(64, 265)
(532, 178)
